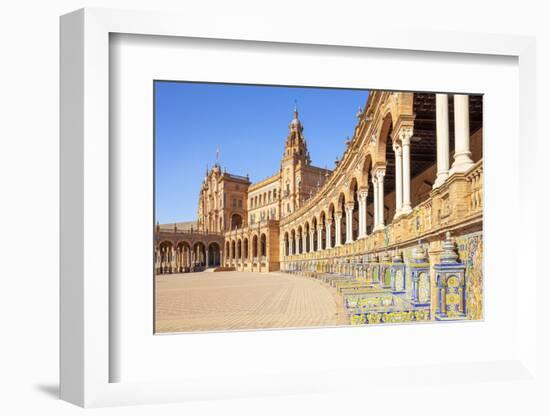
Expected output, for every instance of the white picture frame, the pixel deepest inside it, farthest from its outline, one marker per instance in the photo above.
(87, 356)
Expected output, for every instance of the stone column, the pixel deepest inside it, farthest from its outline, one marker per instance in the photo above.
(304, 242)
(338, 229)
(328, 234)
(442, 134)
(291, 246)
(406, 134)
(319, 237)
(362, 197)
(207, 257)
(220, 260)
(380, 183)
(463, 157)
(311, 240)
(349, 222)
(375, 197)
(398, 179)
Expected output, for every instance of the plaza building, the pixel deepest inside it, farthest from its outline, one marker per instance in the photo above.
(395, 228)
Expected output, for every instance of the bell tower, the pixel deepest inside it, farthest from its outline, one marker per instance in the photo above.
(295, 157)
(295, 144)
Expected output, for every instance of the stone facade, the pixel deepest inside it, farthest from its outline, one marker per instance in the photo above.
(222, 201)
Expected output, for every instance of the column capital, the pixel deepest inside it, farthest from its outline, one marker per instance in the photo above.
(379, 172)
(349, 206)
(405, 134)
(362, 194)
(337, 215)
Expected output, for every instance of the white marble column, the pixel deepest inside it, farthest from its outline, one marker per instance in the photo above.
(291, 246)
(406, 134)
(319, 237)
(304, 242)
(311, 240)
(463, 157)
(349, 222)
(442, 137)
(328, 234)
(362, 197)
(398, 179)
(375, 197)
(380, 182)
(338, 229)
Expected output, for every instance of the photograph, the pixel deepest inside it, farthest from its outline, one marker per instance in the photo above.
(279, 207)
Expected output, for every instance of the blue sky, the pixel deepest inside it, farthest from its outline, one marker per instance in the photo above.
(248, 124)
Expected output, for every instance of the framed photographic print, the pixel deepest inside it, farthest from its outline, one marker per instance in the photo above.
(288, 213)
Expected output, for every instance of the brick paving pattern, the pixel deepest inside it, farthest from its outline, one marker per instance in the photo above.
(242, 300)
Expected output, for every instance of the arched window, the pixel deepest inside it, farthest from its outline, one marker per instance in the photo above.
(236, 221)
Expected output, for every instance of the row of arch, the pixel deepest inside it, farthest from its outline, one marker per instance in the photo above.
(183, 256)
(357, 210)
(245, 248)
(338, 224)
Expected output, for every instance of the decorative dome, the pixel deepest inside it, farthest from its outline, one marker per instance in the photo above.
(295, 124)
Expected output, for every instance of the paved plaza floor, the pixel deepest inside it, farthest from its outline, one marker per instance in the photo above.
(242, 300)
